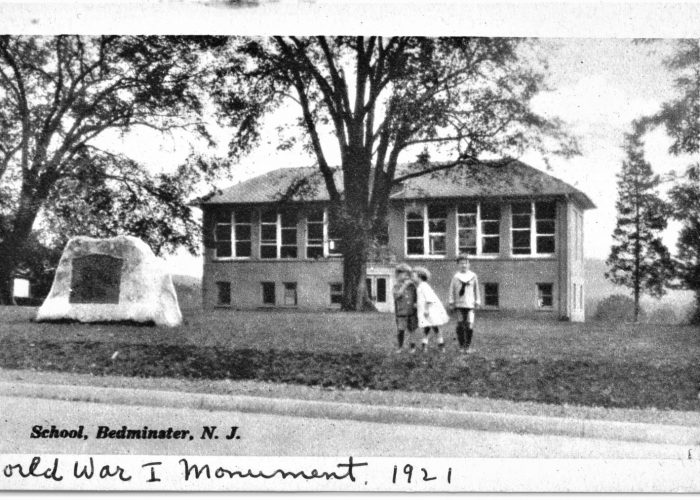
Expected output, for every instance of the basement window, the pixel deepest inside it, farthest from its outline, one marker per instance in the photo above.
(545, 295)
(268, 293)
(290, 294)
(223, 293)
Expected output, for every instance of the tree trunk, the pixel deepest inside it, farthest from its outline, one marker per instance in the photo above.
(7, 267)
(355, 296)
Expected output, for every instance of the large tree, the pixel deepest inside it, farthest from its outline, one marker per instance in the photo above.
(680, 117)
(58, 95)
(384, 100)
(638, 258)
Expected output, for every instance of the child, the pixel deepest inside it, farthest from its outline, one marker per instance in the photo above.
(431, 313)
(405, 305)
(464, 297)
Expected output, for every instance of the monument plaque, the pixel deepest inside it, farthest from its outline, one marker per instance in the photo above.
(95, 279)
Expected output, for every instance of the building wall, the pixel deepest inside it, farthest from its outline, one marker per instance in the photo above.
(517, 277)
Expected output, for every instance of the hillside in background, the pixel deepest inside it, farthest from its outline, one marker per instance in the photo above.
(189, 291)
(598, 287)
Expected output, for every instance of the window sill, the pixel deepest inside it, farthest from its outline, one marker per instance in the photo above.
(540, 256)
(435, 257)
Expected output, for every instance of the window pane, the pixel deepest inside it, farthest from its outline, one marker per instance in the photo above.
(545, 226)
(522, 208)
(314, 252)
(268, 252)
(437, 226)
(222, 216)
(467, 208)
(268, 232)
(336, 293)
(290, 294)
(223, 292)
(491, 228)
(521, 239)
(415, 246)
(243, 249)
(491, 294)
(467, 238)
(289, 237)
(545, 210)
(268, 292)
(242, 232)
(269, 216)
(545, 296)
(521, 221)
(288, 252)
(490, 211)
(315, 232)
(466, 220)
(289, 218)
(545, 244)
(243, 215)
(414, 228)
(223, 249)
(368, 286)
(437, 244)
(381, 290)
(437, 212)
(490, 245)
(222, 232)
(315, 215)
(414, 213)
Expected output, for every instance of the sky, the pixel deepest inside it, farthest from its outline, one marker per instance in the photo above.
(598, 86)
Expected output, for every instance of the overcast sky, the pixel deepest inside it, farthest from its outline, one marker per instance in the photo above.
(599, 87)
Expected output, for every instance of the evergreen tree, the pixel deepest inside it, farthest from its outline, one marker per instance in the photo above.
(638, 258)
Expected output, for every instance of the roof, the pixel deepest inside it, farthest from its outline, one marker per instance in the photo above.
(509, 178)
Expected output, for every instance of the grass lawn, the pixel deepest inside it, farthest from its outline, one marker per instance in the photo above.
(591, 364)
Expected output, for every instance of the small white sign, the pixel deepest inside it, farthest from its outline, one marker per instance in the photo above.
(21, 288)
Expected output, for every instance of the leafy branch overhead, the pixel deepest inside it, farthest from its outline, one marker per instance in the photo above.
(58, 96)
(376, 101)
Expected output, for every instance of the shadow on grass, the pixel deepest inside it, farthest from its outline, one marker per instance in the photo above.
(559, 381)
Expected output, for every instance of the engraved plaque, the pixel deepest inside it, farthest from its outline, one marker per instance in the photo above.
(96, 280)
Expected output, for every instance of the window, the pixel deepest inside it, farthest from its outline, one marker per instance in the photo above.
(268, 234)
(314, 234)
(242, 219)
(491, 294)
(545, 297)
(545, 215)
(322, 236)
(290, 294)
(381, 290)
(223, 293)
(268, 292)
(426, 230)
(437, 229)
(222, 234)
(533, 228)
(521, 228)
(288, 249)
(467, 215)
(415, 230)
(490, 228)
(478, 228)
(278, 234)
(336, 293)
(580, 297)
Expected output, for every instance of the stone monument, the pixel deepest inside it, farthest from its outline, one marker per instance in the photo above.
(112, 279)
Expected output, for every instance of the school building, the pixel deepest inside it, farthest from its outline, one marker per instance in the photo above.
(522, 228)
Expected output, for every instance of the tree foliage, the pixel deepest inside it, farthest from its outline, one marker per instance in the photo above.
(680, 118)
(638, 258)
(383, 101)
(57, 96)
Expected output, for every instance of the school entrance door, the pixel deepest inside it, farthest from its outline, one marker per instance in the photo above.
(379, 284)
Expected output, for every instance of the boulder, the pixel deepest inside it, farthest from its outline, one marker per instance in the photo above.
(111, 279)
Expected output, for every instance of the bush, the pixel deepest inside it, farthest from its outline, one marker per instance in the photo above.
(617, 309)
(663, 315)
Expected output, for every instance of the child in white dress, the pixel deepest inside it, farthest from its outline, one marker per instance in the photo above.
(431, 312)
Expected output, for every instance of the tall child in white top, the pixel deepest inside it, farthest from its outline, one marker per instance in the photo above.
(431, 313)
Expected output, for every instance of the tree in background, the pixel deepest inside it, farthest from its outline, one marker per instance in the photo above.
(57, 96)
(685, 198)
(638, 258)
(680, 117)
(383, 99)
